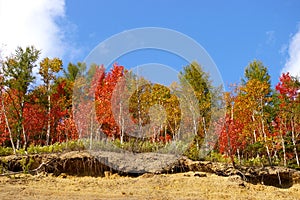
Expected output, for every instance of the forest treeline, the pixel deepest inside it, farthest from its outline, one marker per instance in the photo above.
(259, 123)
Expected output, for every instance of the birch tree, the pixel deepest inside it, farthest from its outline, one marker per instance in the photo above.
(48, 69)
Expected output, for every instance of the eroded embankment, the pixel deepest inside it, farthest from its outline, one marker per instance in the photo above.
(97, 163)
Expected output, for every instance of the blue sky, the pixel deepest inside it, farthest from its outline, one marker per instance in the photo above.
(234, 33)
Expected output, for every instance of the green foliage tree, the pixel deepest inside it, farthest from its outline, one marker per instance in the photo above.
(256, 70)
(199, 82)
(73, 70)
(18, 73)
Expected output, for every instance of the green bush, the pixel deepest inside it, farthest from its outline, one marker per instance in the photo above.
(6, 151)
(192, 152)
(253, 162)
(26, 163)
(217, 157)
(293, 164)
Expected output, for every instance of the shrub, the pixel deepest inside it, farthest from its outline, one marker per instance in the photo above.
(5, 151)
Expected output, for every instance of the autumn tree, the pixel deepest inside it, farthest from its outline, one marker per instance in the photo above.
(61, 105)
(84, 103)
(231, 141)
(18, 73)
(4, 122)
(254, 96)
(36, 115)
(288, 118)
(48, 69)
(156, 108)
(103, 95)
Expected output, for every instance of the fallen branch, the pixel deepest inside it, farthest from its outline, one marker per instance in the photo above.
(10, 173)
(36, 170)
(242, 175)
(32, 172)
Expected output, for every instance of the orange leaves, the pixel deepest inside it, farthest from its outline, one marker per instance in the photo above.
(103, 93)
(66, 130)
(231, 137)
(254, 91)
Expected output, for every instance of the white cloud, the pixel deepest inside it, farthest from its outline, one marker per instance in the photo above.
(293, 63)
(32, 22)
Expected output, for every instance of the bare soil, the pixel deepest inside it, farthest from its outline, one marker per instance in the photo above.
(189, 185)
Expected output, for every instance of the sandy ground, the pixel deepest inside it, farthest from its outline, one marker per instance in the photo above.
(170, 186)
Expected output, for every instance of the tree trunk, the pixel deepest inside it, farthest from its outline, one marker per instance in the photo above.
(91, 131)
(283, 149)
(21, 128)
(229, 146)
(265, 140)
(18, 134)
(254, 133)
(239, 155)
(121, 123)
(264, 133)
(25, 139)
(294, 141)
(195, 132)
(49, 117)
(18, 142)
(8, 127)
(205, 133)
(228, 137)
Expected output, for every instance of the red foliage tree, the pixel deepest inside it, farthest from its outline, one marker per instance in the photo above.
(84, 103)
(103, 95)
(231, 138)
(288, 118)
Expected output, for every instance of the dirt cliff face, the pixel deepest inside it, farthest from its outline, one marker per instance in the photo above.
(98, 164)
